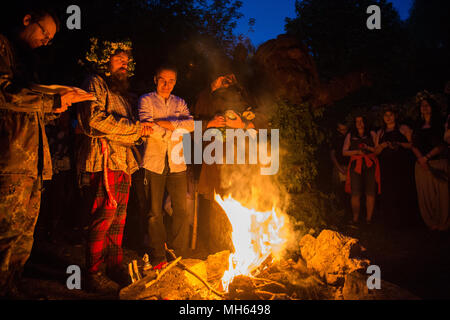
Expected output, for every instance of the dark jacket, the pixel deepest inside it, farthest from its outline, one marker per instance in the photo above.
(23, 142)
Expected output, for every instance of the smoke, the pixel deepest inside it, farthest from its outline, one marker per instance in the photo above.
(263, 193)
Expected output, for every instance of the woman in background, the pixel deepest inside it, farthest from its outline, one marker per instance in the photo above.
(363, 171)
(431, 170)
(393, 147)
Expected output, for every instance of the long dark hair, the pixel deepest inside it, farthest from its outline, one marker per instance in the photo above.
(436, 120)
(354, 131)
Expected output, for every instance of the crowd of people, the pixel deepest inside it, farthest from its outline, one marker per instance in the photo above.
(397, 168)
(114, 136)
(93, 156)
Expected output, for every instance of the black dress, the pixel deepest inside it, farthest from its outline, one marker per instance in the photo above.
(397, 177)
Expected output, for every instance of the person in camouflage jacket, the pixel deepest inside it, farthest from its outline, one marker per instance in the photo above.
(25, 157)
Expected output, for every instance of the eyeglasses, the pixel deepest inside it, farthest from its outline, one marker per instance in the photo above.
(48, 38)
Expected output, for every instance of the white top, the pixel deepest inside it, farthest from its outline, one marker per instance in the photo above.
(153, 107)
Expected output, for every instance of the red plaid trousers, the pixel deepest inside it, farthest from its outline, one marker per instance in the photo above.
(107, 222)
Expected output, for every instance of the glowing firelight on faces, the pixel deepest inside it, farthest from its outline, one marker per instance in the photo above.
(255, 236)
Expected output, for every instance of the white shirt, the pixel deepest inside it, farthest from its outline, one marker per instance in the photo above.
(153, 107)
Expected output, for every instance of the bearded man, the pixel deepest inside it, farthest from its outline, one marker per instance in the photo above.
(106, 162)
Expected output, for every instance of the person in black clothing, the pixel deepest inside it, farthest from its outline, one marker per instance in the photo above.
(340, 163)
(431, 169)
(394, 153)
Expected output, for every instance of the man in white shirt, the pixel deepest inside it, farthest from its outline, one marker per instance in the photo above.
(167, 113)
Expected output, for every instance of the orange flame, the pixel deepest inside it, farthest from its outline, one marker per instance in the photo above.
(255, 236)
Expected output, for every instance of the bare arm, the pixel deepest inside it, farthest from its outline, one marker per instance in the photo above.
(345, 148)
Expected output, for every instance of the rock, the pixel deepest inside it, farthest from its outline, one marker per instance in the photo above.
(175, 284)
(217, 264)
(289, 72)
(355, 287)
(332, 255)
(197, 266)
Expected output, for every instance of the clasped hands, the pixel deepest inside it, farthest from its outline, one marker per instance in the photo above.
(147, 129)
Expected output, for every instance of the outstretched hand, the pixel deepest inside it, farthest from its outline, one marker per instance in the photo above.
(72, 96)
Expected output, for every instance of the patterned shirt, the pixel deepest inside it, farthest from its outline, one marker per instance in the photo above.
(109, 117)
(153, 107)
(23, 115)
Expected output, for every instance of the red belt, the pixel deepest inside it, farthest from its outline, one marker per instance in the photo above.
(370, 160)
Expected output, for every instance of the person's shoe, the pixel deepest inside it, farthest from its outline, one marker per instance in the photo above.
(119, 275)
(353, 225)
(99, 283)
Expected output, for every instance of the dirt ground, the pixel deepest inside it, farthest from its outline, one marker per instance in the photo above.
(411, 257)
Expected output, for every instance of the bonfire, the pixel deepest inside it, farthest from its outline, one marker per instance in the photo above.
(261, 266)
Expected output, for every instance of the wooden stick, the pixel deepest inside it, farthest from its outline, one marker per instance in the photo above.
(270, 282)
(130, 272)
(170, 266)
(272, 295)
(183, 266)
(136, 270)
(194, 224)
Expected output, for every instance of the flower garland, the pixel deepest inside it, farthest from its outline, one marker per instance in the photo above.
(422, 95)
(100, 53)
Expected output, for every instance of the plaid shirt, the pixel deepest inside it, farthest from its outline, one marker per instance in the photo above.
(111, 118)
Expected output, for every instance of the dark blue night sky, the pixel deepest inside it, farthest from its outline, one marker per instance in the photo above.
(270, 15)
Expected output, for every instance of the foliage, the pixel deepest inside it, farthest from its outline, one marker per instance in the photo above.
(314, 209)
(429, 23)
(300, 138)
(100, 54)
(162, 31)
(219, 19)
(337, 36)
(429, 35)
